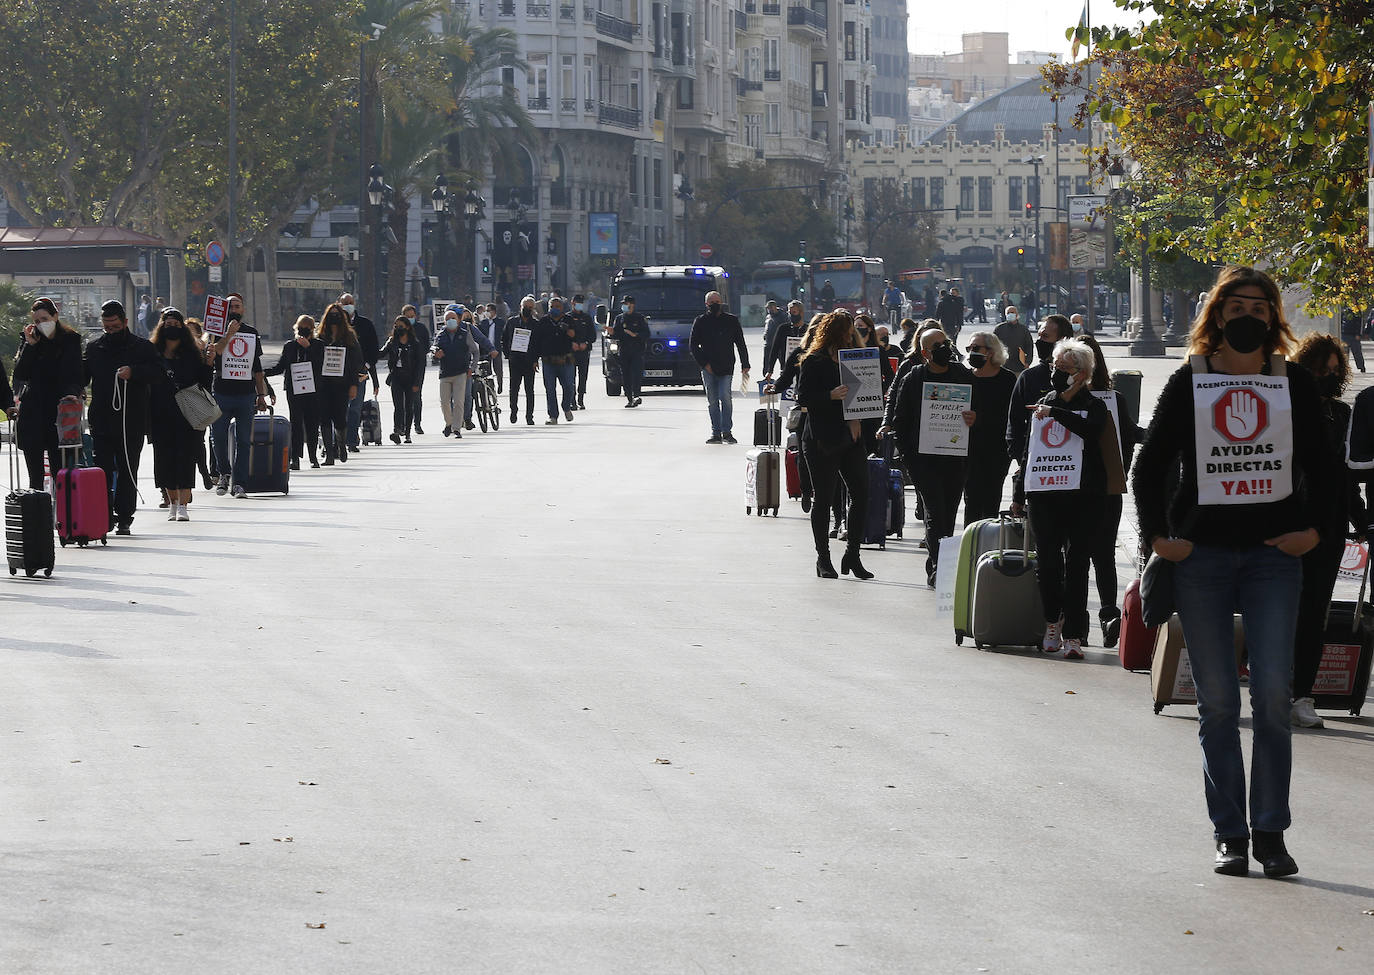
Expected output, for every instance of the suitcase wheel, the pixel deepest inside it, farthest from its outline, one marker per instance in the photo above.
(13, 571)
(47, 573)
(748, 510)
(958, 639)
(63, 541)
(82, 542)
(1159, 708)
(104, 541)
(978, 644)
(30, 573)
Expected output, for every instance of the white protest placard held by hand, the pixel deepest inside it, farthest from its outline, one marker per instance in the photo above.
(216, 320)
(520, 340)
(943, 430)
(946, 576)
(1054, 459)
(236, 362)
(302, 379)
(334, 356)
(861, 372)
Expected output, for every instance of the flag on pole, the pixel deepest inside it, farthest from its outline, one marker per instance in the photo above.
(1080, 32)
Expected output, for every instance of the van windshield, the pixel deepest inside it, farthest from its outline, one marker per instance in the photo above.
(668, 297)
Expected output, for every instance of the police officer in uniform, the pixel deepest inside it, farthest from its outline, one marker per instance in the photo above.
(631, 333)
(586, 338)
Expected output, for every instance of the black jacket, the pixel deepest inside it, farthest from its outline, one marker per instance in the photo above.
(508, 335)
(46, 372)
(586, 331)
(292, 354)
(906, 414)
(714, 340)
(104, 356)
(825, 423)
(6, 393)
(404, 361)
(187, 369)
(950, 312)
(777, 349)
(554, 337)
(353, 367)
(774, 322)
(988, 437)
(1031, 387)
(631, 345)
(1093, 478)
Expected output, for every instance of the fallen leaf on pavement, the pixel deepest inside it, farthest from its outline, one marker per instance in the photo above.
(662, 761)
(315, 927)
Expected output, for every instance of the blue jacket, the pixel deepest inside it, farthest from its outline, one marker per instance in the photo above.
(457, 352)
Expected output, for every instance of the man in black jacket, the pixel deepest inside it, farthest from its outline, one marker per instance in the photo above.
(582, 345)
(421, 336)
(120, 367)
(950, 312)
(555, 343)
(1031, 387)
(774, 318)
(715, 336)
(631, 334)
(240, 390)
(519, 331)
(369, 346)
(776, 352)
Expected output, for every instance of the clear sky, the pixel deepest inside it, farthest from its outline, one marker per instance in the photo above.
(936, 26)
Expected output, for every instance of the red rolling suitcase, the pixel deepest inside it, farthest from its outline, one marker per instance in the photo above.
(83, 502)
(1137, 647)
(1342, 682)
(793, 473)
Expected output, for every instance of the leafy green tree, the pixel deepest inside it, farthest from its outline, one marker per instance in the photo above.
(14, 315)
(903, 240)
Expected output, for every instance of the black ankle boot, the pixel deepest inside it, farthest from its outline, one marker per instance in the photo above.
(1272, 854)
(824, 568)
(850, 563)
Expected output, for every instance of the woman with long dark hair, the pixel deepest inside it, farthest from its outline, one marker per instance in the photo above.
(1257, 480)
(337, 388)
(405, 360)
(834, 446)
(176, 444)
(47, 368)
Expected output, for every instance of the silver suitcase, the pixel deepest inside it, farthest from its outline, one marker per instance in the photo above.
(763, 472)
(1006, 609)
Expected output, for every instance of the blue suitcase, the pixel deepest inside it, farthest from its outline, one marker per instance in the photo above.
(269, 454)
(879, 502)
(896, 511)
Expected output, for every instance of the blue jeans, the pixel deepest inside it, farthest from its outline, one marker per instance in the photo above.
(556, 373)
(718, 401)
(1262, 584)
(241, 407)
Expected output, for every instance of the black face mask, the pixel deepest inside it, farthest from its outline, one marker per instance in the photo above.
(235, 316)
(714, 308)
(1060, 380)
(1044, 350)
(941, 355)
(526, 313)
(796, 317)
(977, 360)
(303, 335)
(1246, 333)
(1329, 386)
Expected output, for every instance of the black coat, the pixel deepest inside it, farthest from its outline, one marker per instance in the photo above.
(404, 361)
(187, 369)
(714, 341)
(292, 354)
(104, 356)
(47, 371)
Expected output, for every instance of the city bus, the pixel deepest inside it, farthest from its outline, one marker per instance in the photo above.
(780, 281)
(857, 283)
(914, 284)
(670, 297)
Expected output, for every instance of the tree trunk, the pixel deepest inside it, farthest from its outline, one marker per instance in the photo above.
(272, 327)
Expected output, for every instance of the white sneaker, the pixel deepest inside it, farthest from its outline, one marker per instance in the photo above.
(223, 486)
(1305, 714)
(1073, 649)
(1052, 643)
(183, 514)
(172, 511)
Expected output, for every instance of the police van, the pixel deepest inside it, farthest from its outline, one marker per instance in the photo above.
(670, 297)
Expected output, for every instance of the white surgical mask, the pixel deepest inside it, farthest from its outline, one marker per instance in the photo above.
(579, 306)
(1012, 316)
(47, 328)
(451, 324)
(349, 309)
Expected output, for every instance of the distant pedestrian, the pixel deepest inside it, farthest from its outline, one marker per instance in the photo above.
(176, 444)
(715, 337)
(493, 325)
(47, 367)
(950, 314)
(423, 340)
(515, 345)
(555, 341)
(454, 355)
(365, 333)
(143, 318)
(302, 364)
(241, 390)
(121, 368)
(1352, 333)
(405, 360)
(340, 383)
(775, 353)
(631, 335)
(892, 302)
(582, 345)
(988, 461)
(827, 296)
(1016, 337)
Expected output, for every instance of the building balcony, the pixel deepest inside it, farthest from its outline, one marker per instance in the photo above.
(612, 27)
(625, 118)
(567, 12)
(568, 106)
(804, 20)
(539, 11)
(537, 103)
(796, 148)
(745, 85)
(506, 8)
(773, 9)
(775, 75)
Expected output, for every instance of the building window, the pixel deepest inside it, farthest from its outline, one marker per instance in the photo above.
(588, 86)
(634, 89)
(770, 58)
(1063, 203)
(539, 82)
(1082, 185)
(966, 193)
(1033, 192)
(634, 181)
(508, 81)
(685, 94)
(918, 193)
(658, 184)
(568, 82)
(937, 192)
(984, 194)
(1014, 195)
(752, 127)
(850, 51)
(774, 118)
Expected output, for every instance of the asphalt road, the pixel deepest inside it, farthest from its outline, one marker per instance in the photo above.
(546, 700)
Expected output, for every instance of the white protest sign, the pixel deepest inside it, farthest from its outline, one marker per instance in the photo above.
(1054, 461)
(216, 321)
(302, 379)
(236, 362)
(334, 356)
(859, 370)
(793, 344)
(1108, 398)
(946, 576)
(1354, 560)
(943, 430)
(1244, 438)
(520, 340)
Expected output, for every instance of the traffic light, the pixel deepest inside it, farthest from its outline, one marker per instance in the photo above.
(849, 209)
(822, 186)
(801, 252)
(1029, 208)
(486, 264)
(1020, 257)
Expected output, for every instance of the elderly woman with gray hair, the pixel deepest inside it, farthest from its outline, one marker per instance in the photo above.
(1066, 488)
(988, 459)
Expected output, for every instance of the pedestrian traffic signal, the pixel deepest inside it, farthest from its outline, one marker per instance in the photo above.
(1021, 256)
(849, 209)
(1028, 209)
(801, 252)
(486, 265)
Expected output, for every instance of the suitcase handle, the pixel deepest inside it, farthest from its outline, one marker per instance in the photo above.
(1005, 519)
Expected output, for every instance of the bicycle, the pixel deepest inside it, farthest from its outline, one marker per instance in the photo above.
(485, 401)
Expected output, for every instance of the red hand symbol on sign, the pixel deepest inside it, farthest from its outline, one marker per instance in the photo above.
(1054, 434)
(1242, 415)
(238, 347)
(1354, 557)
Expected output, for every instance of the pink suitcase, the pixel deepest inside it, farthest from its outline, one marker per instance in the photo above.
(83, 505)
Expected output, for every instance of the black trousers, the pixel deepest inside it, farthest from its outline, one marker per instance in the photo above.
(305, 423)
(1352, 342)
(499, 370)
(121, 469)
(849, 465)
(174, 460)
(334, 417)
(583, 361)
(420, 398)
(1320, 568)
(1064, 523)
(940, 483)
(983, 486)
(1104, 555)
(522, 372)
(631, 375)
(403, 400)
(33, 460)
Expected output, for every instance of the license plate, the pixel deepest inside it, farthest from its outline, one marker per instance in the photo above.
(658, 374)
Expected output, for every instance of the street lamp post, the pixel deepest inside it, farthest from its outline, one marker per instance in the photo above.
(686, 194)
(376, 195)
(440, 198)
(1037, 162)
(519, 240)
(474, 208)
(1146, 343)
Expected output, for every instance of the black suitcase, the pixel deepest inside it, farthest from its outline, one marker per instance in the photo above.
(767, 427)
(1347, 648)
(370, 426)
(28, 526)
(269, 454)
